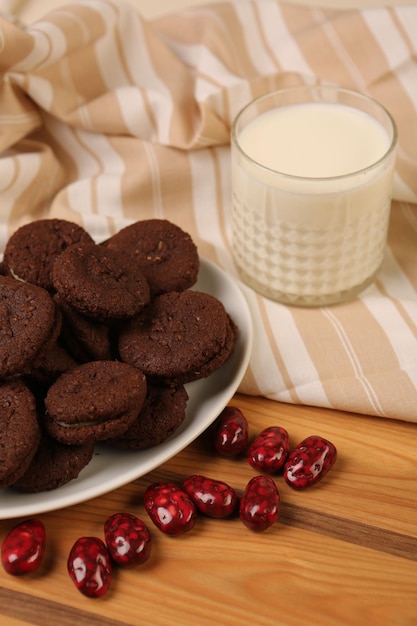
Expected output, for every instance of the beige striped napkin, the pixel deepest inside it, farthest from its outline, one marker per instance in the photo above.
(106, 118)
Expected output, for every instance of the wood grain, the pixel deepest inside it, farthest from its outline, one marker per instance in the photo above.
(342, 553)
(358, 533)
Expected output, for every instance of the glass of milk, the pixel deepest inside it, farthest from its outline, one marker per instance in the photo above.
(312, 171)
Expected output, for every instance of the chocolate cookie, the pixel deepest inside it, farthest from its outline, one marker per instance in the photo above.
(32, 249)
(84, 338)
(20, 431)
(54, 464)
(27, 321)
(99, 283)
(218, 359)
(162, 413)
(167, 255)
(94, 401)
(55, 362)
(176, 335)
(53, 359)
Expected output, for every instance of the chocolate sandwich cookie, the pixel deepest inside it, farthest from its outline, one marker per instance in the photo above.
(218, 359)
(167, 255)
(99, 283)
(20, 430)
(84, 338)
(54, 363)
(32, 249)
(175, 336)
(94, 401)
(53, 359)
(162, 413)
(54, 464)
(52, 338)
(28, 318)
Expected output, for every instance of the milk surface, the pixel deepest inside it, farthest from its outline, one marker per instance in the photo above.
(315, 140)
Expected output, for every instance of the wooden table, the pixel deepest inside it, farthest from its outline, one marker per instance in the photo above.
(343, 552)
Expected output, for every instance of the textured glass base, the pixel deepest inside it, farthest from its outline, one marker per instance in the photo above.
(293, 263)
(305, 300)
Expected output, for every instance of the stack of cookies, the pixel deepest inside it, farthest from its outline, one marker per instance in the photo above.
(97, 343)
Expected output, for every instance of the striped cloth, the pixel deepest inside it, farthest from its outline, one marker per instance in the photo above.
(107, 118)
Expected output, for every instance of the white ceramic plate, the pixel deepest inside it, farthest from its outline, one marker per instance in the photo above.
(110, 469)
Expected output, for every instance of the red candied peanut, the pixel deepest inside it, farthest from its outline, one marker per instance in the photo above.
(309, 462)
(231, 432)
(89, 566)
(170, 508)
(211, 497)
(128, 539)
(23, 548)
(269, 450)
(260, 503)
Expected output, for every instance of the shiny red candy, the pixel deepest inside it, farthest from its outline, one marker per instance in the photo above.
(211, 497)
(89, 566)
(309, 462)
(170, 508)
(23, 548)
(260, 503)
(231, 432)
(269, 450)
(128, 539)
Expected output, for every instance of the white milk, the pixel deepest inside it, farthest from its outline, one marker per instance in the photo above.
(311, 201)
(314, 140)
